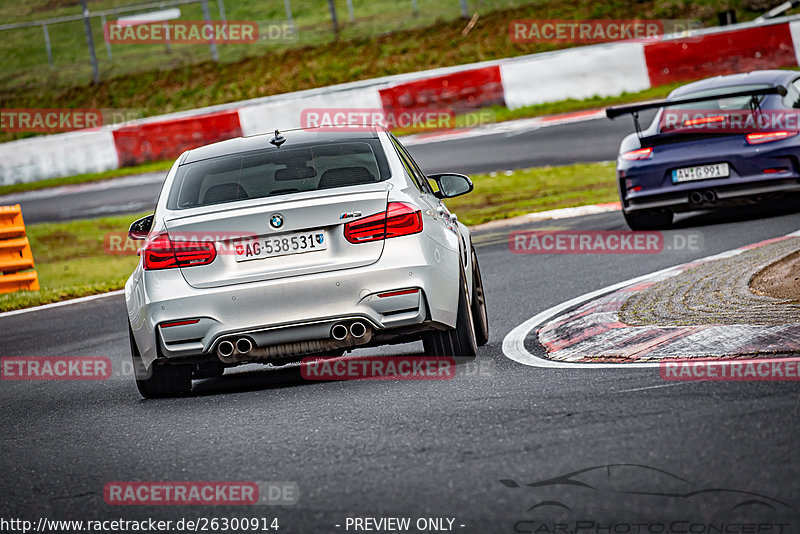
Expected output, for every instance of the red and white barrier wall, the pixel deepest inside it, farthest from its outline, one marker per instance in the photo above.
(604, 70)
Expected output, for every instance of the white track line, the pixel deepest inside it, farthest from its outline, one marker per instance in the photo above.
(514, 342)
(63, 303)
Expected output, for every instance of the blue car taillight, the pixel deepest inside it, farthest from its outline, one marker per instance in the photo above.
(768, 137)
(640, 153)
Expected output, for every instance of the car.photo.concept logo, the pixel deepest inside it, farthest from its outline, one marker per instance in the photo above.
(640, 499)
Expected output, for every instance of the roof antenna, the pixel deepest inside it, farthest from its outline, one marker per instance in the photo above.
(277, 139)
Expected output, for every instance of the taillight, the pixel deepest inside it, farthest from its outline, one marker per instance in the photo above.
(641, 153)
(163, 253)
(768, 137)
(398, 219)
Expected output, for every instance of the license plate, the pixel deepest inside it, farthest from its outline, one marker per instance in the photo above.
(280, 245)
(700, 172)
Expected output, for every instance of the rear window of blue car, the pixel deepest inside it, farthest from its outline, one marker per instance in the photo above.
(278, 171)
(736, 103)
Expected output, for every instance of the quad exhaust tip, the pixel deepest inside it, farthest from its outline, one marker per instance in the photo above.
(225, 348)
(339, 332)
(244, 345)
(357, 329)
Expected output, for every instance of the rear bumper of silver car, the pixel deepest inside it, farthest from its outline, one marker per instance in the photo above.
(278, 316)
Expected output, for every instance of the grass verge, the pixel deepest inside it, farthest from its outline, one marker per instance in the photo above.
(72, 260)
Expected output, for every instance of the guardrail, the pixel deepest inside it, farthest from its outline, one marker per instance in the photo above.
(15, 253)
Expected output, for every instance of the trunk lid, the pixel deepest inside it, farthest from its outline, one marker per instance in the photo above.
(246, 240)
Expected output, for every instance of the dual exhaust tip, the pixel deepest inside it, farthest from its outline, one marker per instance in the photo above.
(357, 330)
(226, 347)
(703, 197)
(243, 345)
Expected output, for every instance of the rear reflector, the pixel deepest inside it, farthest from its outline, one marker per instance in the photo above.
(775, 170)
(768, 137)
(641, 153)
(163, 253)
(400, 218)
(180, 323)
(398, 293)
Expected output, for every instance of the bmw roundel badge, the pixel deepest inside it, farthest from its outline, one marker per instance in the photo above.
(276, 221)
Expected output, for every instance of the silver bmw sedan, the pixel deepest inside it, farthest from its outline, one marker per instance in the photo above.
(311, 242)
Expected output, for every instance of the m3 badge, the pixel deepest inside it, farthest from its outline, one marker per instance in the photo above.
(350, 214)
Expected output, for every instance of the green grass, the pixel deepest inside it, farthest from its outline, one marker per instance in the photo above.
(72, 261)
(502, 195)
(155, 166)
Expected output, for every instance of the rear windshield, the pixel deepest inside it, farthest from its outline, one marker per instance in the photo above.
(735, 103)
(278, 171)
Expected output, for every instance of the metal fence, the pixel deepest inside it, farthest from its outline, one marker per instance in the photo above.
(68, 44)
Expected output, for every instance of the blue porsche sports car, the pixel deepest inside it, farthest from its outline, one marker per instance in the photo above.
(718, 142)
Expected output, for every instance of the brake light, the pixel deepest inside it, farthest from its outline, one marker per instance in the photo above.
(163, 253)
(641, 153)
(704, 120)
(768, 137)
(399, 219)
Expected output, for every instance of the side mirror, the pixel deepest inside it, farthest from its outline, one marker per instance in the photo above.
(140, 228)
(451, 184)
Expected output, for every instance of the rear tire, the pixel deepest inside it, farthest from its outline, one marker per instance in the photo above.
(479, 314)
(458, 342)
(160, 380)
(649, 220)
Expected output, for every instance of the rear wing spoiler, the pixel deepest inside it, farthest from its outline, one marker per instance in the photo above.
(634, 109)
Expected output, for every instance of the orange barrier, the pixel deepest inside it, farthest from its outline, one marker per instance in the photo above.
(15, 253)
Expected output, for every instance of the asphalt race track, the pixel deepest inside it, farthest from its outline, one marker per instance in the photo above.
(594, 140)
(401, 448)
